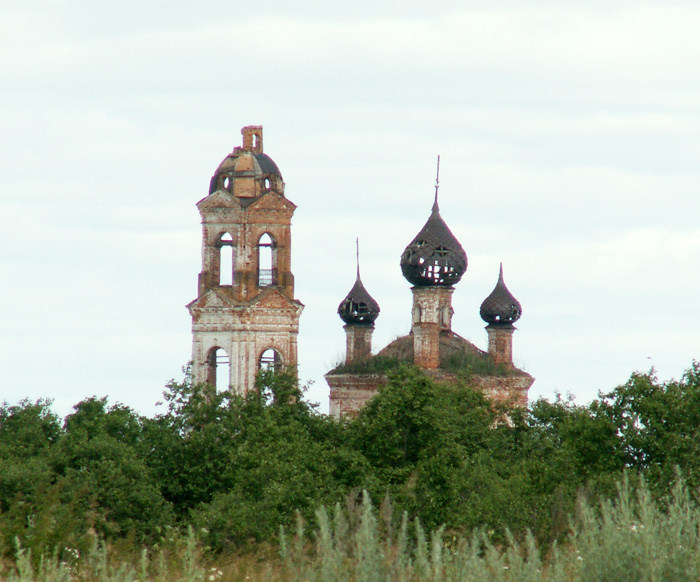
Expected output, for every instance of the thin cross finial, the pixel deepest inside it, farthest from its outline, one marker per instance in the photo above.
(357, 252)
(437, 184)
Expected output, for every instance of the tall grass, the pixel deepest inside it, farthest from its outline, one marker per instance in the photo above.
(631, 538)
(464, 364)
(467, 364)
(373, 365)
(180, 561)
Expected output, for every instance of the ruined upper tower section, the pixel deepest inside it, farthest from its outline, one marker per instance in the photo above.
(246, 209)
(247, 172)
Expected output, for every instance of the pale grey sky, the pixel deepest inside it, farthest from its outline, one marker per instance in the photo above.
(570, 141)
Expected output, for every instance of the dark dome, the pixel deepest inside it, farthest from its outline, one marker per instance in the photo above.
(358, 307)
(244, 164)
(500, 308)
(248, 172)
(434, 256)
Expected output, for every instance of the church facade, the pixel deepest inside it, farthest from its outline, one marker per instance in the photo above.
(245, 316)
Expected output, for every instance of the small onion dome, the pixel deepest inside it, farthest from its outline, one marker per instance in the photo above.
(358, 307)
(500, 308)
(434, 256)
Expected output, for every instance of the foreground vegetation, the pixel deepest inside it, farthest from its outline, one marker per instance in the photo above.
(632, 538)
(89, 492)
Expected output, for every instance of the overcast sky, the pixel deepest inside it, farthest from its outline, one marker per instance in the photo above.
(569, 135)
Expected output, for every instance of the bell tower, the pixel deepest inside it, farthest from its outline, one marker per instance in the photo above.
(245, 316)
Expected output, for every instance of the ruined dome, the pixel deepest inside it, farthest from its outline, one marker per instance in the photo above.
(434, 257)
(500, 308)
(247, 171)
(358, 307)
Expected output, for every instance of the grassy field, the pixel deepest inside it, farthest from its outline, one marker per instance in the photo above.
(631, 538)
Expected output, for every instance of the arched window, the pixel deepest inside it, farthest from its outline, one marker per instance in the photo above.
(270, 359)
(218, 369)
(266, 263)
(226, 265)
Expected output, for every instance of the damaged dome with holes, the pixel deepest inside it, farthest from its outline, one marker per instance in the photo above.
(434, 256)
(358, 307)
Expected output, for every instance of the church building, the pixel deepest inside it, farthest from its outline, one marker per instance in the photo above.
(245, 316)
(433, 263)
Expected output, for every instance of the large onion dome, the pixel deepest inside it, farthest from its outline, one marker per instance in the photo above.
(358, 307)
(434, 257)
(500, 308)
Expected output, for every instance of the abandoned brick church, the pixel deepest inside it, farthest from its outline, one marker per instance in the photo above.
(246, 316)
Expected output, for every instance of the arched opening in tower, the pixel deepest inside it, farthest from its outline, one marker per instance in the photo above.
(219, 369)
(226, 265)
(266, 269)
(270, 359)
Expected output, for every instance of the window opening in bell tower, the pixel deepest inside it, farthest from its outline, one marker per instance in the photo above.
(270, 359)
(226, 266)
(266, 271)
(219, 369)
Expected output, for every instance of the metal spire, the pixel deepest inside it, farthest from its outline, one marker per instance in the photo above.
(437, 185)
(357, 250)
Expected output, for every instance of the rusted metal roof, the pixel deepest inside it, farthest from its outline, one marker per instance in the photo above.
(358, 307)
(500, 308)
(434, 256)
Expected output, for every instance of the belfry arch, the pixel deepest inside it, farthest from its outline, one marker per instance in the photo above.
(266, 260)
(226, 265)
(218, 369)
(270, 359)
